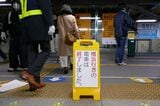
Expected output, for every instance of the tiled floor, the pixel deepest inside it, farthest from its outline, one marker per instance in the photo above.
(116, 87)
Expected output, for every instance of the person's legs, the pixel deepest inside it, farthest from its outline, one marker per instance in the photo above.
(29, 74)
(13, 55)
(36, 58)
(36, 62)
(120, 51)
(71, 62)
(64, 63)
(23, 55)
(3, 55)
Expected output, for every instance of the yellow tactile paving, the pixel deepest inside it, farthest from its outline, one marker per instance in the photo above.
(48, 68)
(108, 91)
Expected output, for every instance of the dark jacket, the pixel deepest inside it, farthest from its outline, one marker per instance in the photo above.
(11, 23)
(122, 23)
(36, 27)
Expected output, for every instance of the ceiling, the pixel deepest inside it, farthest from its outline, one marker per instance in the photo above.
(139, 8)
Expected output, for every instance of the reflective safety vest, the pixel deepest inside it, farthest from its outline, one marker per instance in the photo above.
(26, 13)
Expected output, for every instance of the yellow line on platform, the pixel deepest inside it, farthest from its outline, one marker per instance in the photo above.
(145, 60)
(48, 68)
(52, 65)
(139, 65)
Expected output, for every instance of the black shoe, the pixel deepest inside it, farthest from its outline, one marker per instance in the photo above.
(65, 70)
(71, 66)
(117, 60)
(12, 70)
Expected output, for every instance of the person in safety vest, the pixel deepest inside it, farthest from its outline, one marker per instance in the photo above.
(37, 26)
(17, 48)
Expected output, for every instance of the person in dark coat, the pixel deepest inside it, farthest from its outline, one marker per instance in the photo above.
(17, 48)
(37, 26)
(122, 23)
(2, 39)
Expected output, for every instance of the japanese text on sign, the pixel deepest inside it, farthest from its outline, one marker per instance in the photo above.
(86, 69)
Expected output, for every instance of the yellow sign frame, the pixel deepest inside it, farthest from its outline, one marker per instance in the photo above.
(80, 45)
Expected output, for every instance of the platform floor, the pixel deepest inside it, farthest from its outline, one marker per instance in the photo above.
(116, 87)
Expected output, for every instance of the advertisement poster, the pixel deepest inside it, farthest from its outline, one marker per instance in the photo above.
(108, 33)
(147, 30)
(84, 25)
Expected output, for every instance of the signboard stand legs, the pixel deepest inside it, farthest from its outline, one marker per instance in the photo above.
(86, 92)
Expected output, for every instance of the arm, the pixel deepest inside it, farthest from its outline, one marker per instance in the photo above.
(76, 28)
(130, 22)
(5, 27)
(45, 6)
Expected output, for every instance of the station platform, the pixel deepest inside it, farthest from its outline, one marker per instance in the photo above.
(117, 88)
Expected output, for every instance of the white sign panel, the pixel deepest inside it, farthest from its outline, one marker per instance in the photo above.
(108, 40)
(86, 68)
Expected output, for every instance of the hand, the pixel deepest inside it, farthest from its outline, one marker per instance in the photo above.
(3, 36)
(136, 33)
(51, 30)
(118, 41)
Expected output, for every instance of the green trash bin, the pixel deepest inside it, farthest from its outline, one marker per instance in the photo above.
(131, 47)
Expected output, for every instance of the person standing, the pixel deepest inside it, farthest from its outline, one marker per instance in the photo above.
(66, 21)
(17, 48)
(37, 28)
(122, 23)
(3, 39)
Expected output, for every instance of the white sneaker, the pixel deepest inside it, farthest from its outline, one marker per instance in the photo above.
(122, 64)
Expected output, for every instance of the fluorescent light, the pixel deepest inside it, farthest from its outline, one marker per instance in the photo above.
(83, 29)
(96, 29)
(6, 4)
(2, 0)
(91, 29)
(99, 21)
(147, 20)
(89, 18)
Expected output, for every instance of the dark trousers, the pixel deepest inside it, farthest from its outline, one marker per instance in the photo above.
(120, 49)
(37, 57)
(3, 55)
(17, 53)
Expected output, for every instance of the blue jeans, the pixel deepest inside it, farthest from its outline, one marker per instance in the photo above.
(120, 50)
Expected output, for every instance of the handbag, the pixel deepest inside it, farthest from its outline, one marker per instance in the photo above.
(70, 36)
